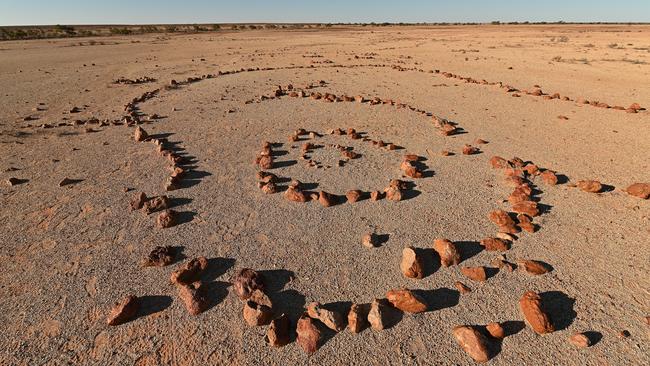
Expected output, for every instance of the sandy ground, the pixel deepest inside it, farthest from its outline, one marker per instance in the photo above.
(68, 253)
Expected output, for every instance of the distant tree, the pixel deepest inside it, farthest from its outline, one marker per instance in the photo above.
(216, 27)
(495, 22)
(68, 30)
(121, 31)
(171, 29)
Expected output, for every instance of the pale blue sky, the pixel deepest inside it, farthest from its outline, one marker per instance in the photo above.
(23, 12)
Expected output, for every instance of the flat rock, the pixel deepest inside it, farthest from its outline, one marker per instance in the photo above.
(189, 272)
(124, 310)
(475, 344)
(407, 301)
(532, 308)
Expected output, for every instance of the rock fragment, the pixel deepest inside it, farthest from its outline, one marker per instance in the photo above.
(532, 308)
(411, 265)
(475, 344)
(591, 186)
(494, 244)
(358, 317)
(526, 207)
(246, 281)
(309, 336)
(641, 190)
(138, 200)
(160, 256)
(353, 195)
(156, 204)
(407, 301)
(257, 314)
(194, 297)
(475, 273)
(326, 199)
(533, 267)
(295, 195)
(470, 150)
(526, 223)
(462, 288)
(549, 177)
(378, 314)
(189, 272)
(278, 334)
(580, 340)
(332, 319)
(166, 219)
(496, 330)
(124, 310)
(140, 134)
(448, 252)
(370, 240)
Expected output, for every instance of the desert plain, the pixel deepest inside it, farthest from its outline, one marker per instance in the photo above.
(563, 105)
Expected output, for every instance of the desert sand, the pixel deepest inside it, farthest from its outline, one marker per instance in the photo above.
(71, 251)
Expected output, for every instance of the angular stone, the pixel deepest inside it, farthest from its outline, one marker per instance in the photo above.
(194, 297)
(278, 334)
(166, 219)
(533, 267)
(411, 264)
(526, 223)
(140, 134)
(309, 336)
(494, 244)
(358, 317)
(155, 204)
(123, 311)
(448, 252)
(532, 308)
(549, 177)
(475, 344)
(470, 150)
(138, 200)
(462, 288)
(496, 330)
(376, 195)
(498, 162)
(526, 207)
(378, 314)
(257, 314)
(160, 256)
(326, 199)
(245, 282)
(393, 194)
(475, 273)
(370, 240)
(189, 272)
(353, 195)
(295, 195)
(407, 301)
(332, 319)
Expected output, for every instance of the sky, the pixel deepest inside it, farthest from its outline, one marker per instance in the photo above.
(76, 12)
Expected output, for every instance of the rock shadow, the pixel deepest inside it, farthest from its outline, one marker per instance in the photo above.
(151, 304)
(559, 306)
(439, 299)
(468, 249)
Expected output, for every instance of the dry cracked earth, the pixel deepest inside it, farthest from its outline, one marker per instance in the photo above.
(403, 196)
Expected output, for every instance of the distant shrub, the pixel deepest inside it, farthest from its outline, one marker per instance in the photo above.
(122, 31)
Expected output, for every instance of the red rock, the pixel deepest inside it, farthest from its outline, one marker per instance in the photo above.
(353, 196)
(338, 132)
(448, 252)
(635, 106)
(332, 319)
(533, 267)
(591, 186)
(494, 244)
(189, 272)
(580, 340)
(257, 314)
(140, 134)
(549, 177)
(475, 273)
(518, 195)
(67, 181)
(480, 142)
(532, 308)
(194, 297)
(475, 344)
(376, 195)
(391, 146)
(407, 301)
(501, 218)
(514, 181)
(470, 150)
(123, 311)
(641, 190)
(496, 330)
(295, 195)
(462, 288)
(309, 336)
(155, 204)
(411, 265)
(413, 172)
(526, 207)
(393, 194)
(326, 199)
(278, 334)
(245, 282)
(526, 223)
(445, 153)
(166, 219)
(516, 162)
(378, 314)
(160, 257)
(266, 162)
(358, 317)
(512, 172)
(531, 169)
(411, 157)
(138, 200)
(498, 162)
(269, 188)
